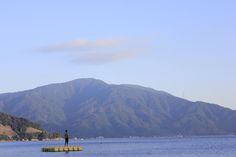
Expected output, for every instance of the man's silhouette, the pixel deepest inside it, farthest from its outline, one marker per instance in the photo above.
(66, 136)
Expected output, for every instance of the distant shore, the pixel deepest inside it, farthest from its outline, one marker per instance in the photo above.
(33, 140)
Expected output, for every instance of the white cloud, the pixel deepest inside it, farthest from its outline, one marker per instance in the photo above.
(99, 51)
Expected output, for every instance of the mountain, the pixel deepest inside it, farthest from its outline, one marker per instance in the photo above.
(91, 108)
(13, 127)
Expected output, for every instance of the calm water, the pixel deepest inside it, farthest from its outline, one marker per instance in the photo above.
(216, 146)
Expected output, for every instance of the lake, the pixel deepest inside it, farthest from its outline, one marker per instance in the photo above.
(207, 146)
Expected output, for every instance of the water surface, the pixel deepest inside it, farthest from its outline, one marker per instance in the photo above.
(214, 146)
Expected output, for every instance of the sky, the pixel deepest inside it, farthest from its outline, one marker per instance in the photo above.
(186, 48)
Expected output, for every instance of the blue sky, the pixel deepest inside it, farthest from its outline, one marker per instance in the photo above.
(186, 48)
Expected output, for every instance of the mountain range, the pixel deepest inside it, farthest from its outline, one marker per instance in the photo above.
(92, 108)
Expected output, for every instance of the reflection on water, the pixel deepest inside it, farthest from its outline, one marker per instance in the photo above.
(214, 146)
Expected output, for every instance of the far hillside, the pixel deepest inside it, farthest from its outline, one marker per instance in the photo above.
(92, 108)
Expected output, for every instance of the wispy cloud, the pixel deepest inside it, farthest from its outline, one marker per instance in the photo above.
(99, 51)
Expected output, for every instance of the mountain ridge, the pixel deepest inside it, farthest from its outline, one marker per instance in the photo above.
(89, 107)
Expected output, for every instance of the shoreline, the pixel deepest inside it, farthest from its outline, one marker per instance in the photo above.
(33, 140)
(130, 137)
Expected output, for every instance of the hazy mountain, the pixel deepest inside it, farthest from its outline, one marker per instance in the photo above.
(90, 108)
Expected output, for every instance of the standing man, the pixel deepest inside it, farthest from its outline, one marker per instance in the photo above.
(66, 136)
